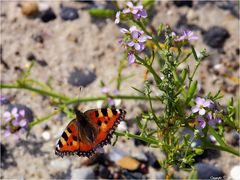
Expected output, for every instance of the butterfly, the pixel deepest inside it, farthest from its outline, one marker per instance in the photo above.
(89, 131)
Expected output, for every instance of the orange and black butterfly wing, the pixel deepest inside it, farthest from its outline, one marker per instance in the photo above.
(68, 144)
(106, 119)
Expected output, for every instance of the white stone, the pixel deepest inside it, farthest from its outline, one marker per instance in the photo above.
(82, 173)
(122, 126)
(46, 135)
(235, 173)
(43, 6)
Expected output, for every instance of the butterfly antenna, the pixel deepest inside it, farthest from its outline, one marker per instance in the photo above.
(78, 102)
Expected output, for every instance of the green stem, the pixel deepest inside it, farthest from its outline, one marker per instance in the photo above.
(146, 139)
(223, 148)
(40, 91)
(155, 76)
(37, 121)
(75, 100)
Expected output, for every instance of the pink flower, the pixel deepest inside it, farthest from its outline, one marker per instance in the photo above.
(187, 35)
(201, 105)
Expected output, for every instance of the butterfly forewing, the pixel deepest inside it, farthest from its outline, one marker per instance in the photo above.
(68, 142)
(107, 120)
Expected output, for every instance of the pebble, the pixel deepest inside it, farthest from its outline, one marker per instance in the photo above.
(207, 171)
(152, 160)
(181, 3)
(47, 15)
(103, 172)
(82, 173)
(140, 156)
(233, 138)
(138, 142)
(128, 163)
(69, 13)
(235, 172)
(122, 126)
(216, 36)
(60, 164)
(46, 135)
(42, 63)
(43, 6)
(132, 175)
(116, 154)
(160, 175)
(81, 77)
(29, 8)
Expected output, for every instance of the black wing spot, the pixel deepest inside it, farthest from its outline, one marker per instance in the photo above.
(65, 137)
(71, 143)
(104, 111)
(96, 113)
(69, 130)
(60, 144)
(114, 111)
(105, 122)
(99, 122)
(74, 138)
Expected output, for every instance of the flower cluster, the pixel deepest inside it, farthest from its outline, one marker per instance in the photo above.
(136, 10)
(134, 41)
(110, 101)
(205, 113)
(16, 122)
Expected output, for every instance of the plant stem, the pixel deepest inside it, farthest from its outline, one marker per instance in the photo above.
(146, 139)
(37, 121)
(68, 100)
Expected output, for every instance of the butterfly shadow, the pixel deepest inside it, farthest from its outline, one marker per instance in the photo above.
(7, 159)
(32, 147)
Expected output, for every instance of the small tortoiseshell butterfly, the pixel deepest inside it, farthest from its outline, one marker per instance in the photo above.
(90, 130)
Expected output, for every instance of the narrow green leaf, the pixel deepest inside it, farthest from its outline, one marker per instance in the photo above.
(193, 174)
(102, 13)
(148, 3)
(139, 124)
(183, 75)
(194, 53)
(138, 90)
(191, 91)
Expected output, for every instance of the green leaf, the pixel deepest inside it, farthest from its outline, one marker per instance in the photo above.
(183, 75)
(141, 92)
(193, 174)
(194, 54)
(102, 13)
(191, 91)
(198, 151)
(160, 28)
(148, 3)
(139, 124)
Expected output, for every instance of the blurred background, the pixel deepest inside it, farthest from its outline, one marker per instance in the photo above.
(73, 48)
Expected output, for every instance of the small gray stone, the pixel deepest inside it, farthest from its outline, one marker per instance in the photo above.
(82, 173)
(207, 171)
(160, 175)
(140, 156)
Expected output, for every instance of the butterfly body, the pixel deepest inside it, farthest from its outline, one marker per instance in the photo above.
(89, 131)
